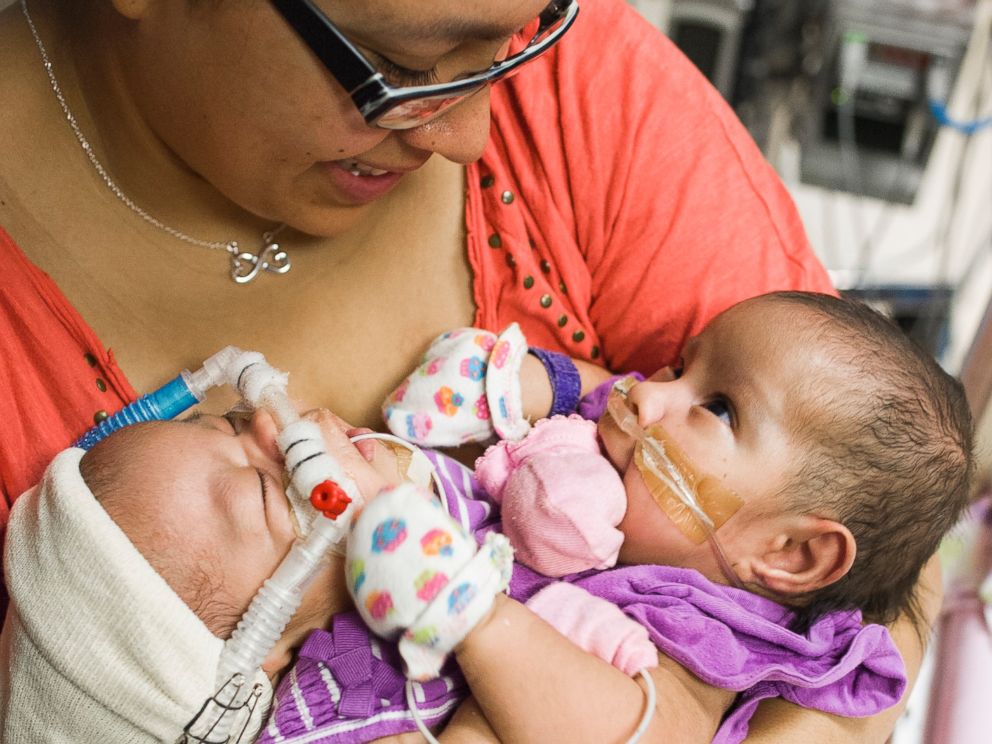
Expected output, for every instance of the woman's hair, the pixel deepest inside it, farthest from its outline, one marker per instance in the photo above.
(889, 444)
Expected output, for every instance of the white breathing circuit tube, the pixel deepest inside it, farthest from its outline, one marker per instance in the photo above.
(321, 495)
(314, 478)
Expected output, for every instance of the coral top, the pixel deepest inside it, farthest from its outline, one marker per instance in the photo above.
(619, 206)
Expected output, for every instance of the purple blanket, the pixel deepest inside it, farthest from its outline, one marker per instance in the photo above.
(348, 687)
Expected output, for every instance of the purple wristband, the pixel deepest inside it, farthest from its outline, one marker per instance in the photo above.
(566, 387)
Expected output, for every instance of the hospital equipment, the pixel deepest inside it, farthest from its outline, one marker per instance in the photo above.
(662, 470)
(170, 400)
(871, 124)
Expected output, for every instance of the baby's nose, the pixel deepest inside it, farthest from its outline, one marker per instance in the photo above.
(651, 401)
(263, 432)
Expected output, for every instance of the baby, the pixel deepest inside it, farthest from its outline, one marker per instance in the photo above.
(130, 564)
(830, 454)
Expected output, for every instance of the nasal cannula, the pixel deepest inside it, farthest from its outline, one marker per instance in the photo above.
(664, 469)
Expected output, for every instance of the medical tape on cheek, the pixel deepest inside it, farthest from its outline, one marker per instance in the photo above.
(714, 499)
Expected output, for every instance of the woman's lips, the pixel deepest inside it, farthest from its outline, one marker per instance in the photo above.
(360, 183)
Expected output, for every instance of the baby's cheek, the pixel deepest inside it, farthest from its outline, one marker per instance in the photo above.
(616, 445)
(650, 537)
(640, 540)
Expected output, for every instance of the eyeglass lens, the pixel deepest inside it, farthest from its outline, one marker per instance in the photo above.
(413, 113)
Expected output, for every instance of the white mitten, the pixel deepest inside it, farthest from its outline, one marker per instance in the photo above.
(466, 389)
(416, 573)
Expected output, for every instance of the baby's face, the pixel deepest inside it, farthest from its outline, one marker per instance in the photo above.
(729, 410)
(209, 499)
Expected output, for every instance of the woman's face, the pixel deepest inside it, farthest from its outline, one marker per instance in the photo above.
(233, 92)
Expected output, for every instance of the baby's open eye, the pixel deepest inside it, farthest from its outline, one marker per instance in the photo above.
(721, 409)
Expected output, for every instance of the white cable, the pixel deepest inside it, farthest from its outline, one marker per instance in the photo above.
(412, 705)
(649, 706)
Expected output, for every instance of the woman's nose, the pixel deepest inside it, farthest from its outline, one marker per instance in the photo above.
(460, 135)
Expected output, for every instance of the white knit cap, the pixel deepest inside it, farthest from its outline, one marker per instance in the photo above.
(96, 645)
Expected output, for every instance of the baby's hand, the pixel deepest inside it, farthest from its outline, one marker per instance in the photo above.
(466, 389)
(596, 625)
(417, 574)
(561, 501)
(390, 463)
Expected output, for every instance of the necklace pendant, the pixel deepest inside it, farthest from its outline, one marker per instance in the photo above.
(245, 265)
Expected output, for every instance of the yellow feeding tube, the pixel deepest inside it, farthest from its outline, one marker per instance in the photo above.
(697, 503)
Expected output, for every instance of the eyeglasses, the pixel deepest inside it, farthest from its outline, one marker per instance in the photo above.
(391, 107)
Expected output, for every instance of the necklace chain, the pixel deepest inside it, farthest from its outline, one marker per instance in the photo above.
(245, 265)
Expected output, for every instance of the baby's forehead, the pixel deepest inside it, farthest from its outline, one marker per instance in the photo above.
(760, 331)
(775, 313)
(147, 502)
(147, 476)
(109, 463)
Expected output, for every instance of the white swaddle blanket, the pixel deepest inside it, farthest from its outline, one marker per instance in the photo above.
(96, 646)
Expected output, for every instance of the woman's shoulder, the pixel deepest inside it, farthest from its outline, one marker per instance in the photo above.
(620, 163)
(615, 119)
(611, 68)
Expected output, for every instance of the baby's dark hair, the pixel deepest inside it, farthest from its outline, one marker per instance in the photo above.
(185, 573)
(890, 455)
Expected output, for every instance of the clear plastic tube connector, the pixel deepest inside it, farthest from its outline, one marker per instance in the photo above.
(165, 403)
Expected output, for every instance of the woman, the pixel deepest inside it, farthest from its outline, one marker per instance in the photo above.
(605, 198)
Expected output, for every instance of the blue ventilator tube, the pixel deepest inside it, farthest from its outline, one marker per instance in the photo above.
(167, 402)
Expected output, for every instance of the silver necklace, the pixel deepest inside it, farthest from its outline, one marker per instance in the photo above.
(245, 265)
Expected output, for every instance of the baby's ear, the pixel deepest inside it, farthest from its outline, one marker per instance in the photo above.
(809, 553)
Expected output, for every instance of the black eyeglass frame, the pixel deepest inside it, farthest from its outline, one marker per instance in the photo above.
(372, 94)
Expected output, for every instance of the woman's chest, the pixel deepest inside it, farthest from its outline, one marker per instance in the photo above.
(347, 331)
